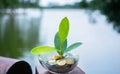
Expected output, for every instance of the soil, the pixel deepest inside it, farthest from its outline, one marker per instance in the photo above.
(62, 69)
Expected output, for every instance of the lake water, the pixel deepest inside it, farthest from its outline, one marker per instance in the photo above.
(100, 52)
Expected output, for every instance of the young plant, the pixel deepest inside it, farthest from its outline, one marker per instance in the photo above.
(60, 41)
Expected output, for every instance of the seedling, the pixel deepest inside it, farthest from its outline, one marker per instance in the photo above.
(60, 41)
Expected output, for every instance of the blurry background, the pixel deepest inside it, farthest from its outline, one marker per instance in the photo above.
(25, 24)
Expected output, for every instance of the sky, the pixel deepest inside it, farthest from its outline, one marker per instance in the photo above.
(61, 2)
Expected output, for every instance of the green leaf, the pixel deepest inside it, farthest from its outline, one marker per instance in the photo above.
(42, 50)
(57, 41)
(64, 29)
(64, 45)
(73, 46)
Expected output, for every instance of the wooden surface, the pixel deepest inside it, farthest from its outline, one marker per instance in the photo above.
(41, 70)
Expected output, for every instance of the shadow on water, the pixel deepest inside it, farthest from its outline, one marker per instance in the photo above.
(18, 33)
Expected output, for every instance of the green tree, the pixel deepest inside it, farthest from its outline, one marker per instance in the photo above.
(9, 4)
(12, 4)
(110, 8)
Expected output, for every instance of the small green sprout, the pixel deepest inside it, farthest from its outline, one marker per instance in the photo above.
(60, 41)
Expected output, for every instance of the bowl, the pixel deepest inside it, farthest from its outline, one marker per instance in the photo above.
(58, 65)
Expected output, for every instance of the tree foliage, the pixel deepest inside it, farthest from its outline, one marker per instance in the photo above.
(11, 4)
(110, 8)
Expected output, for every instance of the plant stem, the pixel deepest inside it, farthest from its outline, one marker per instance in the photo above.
(61, 52)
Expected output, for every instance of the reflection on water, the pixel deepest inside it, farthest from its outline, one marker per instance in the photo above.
(18, 33)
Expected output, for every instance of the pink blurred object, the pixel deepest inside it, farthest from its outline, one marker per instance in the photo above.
(41, 70)
(14, 66)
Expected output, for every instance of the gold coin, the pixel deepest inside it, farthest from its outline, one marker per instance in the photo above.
(61, 62)
(70, 61)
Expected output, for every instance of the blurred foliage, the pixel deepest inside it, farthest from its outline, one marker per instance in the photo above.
(19, 3)
(110, 8)
(17, 37)
(82, 4)
(8, 3)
